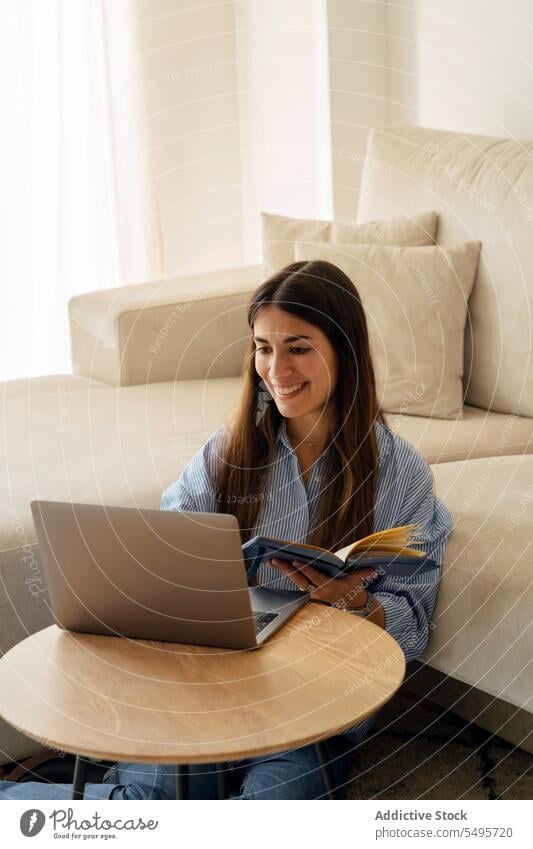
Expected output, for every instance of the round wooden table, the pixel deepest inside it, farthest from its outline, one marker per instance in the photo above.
(113, 698)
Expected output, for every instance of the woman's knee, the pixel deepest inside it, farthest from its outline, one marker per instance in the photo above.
(136, 782)
(297, 773)
(294, 774)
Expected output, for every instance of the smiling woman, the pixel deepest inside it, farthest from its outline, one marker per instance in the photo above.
(309, 434)
(301, 377)
(310, 350)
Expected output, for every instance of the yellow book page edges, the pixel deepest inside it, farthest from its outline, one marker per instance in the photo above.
(389, 541)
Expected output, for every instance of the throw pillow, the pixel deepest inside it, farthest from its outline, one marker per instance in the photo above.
(281, 233)
(416, 303)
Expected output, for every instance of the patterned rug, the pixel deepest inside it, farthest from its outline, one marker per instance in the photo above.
(420, 751)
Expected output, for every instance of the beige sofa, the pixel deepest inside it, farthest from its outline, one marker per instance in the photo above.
(156, 370)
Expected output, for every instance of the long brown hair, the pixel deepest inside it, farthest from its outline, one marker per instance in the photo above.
(321, 294)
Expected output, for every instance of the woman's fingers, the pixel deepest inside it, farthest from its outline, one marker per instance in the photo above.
(314, 576)
(365, 573)
(322, 587)
(292, 571)
(282, 565)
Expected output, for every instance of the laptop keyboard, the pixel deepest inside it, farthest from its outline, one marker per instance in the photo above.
(261, 620)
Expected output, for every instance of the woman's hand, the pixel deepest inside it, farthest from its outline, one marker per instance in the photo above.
(348, 592)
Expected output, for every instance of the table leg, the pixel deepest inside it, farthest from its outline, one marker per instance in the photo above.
(323, 759)
(222, 781)
(182, 781)
(80, 770)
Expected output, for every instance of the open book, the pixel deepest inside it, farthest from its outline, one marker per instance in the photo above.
(388, 549)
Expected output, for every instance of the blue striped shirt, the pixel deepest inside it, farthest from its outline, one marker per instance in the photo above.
(404, 494)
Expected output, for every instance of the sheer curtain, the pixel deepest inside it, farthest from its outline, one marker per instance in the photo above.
(76, 203)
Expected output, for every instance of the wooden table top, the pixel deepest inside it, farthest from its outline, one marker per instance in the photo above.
(113, 698)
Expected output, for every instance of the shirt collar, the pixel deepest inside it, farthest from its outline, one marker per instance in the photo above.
(283, 437)
(381, 433)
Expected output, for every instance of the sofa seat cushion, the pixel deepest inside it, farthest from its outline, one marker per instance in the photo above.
(53, 385)
(68, 438)
(482, 620)
(479, 433)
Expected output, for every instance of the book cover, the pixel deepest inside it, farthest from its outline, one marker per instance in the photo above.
(388, 550)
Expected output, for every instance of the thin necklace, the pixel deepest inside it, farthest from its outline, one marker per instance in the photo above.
(307, 442)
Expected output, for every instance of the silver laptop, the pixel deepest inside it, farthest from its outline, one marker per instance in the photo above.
(155, 575)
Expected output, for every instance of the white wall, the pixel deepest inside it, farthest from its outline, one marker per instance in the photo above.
(462, 66)
(237, 106)
(189, 68)
(357, 36)
(456, 65)
(267, 104)
(283, 112)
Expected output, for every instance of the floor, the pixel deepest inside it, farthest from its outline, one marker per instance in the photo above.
(420, 751)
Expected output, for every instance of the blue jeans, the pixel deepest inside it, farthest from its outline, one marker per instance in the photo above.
(294, 774)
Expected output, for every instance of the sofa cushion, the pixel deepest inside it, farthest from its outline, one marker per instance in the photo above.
(479, 433)
(51, 386)
(99, 444)
(280, 234)
(415, 301)
(482, 189)
(183, 328)
(482, 620)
